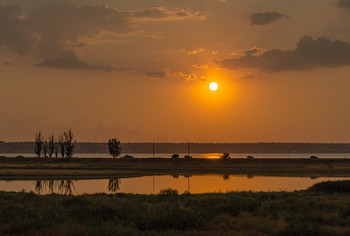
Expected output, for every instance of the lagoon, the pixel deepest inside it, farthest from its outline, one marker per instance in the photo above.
(208, 183)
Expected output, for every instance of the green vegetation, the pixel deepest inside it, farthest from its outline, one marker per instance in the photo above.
(275, 213)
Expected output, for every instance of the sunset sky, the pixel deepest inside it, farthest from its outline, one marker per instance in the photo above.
(139, 70)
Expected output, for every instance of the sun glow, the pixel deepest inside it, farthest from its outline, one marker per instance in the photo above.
(213, 86)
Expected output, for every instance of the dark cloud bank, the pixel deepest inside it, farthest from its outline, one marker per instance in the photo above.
(263, 18)
(68, 60)
(54, 30)
(321, 52)
(343, 3)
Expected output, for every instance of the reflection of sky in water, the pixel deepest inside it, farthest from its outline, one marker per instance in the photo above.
(153, 184)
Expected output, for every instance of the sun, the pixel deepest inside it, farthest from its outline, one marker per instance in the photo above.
(213, 86)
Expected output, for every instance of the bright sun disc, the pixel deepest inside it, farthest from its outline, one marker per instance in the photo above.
(213, 86)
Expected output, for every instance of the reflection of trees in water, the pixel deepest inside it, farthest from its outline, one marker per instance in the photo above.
(113, 185)
(175, 176)
(51, 186)
(54, 186)
(38, 186)
(66, 187)
(250, 176)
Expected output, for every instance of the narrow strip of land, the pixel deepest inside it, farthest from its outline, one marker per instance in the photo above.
(11, 168)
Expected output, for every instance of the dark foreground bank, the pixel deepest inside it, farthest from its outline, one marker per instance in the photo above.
(324, 209)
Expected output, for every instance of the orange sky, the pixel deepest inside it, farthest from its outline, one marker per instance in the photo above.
(140, 70)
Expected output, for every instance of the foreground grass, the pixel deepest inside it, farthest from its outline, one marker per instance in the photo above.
(312, 212)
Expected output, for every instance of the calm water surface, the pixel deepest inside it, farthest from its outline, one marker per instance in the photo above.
(153, 184)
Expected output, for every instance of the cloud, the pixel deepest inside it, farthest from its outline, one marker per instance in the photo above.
(157, 37)
(321, 52)
(201, 66)
(7, 63)
(15, 33)
(343, 3)
(182, 76)
(55, 28)
(161, 13)
(253, 51)
(188, 77)
(157, 74)
(263, 18)
(192, 52)
(69, 60)
(63, 26)
(248, 75)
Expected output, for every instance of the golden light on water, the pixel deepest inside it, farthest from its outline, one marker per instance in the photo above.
(213, 86)
(213, 155)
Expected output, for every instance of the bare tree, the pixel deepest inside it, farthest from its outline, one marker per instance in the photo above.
(113, 185)
(114, 147)
(69, 143)
(62, 145)
(45, 147)
(51, 145)
(38, 144)
(56, 148)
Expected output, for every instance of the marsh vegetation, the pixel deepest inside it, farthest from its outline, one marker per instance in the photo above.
(311, 212)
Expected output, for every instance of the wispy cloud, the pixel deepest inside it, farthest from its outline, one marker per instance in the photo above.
(181, 76)
(201, 66)
(263, 18)
(163, 14)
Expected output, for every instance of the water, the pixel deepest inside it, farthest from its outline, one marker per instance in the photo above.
(201, 155)
(153, 184)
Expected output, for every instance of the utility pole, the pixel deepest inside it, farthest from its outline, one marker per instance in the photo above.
(188, 183)
(188, 148)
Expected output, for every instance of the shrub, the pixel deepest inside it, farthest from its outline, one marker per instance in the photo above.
(225, 155)
(128, 156)
(175, 155)
(169, 191)
(341, 186)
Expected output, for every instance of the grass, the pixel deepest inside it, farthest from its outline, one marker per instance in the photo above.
(311, 212)
(331, 187)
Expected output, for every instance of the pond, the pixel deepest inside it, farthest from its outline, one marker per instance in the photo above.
(153, 184)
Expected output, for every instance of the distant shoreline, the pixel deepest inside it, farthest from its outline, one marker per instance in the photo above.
(147, 147)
